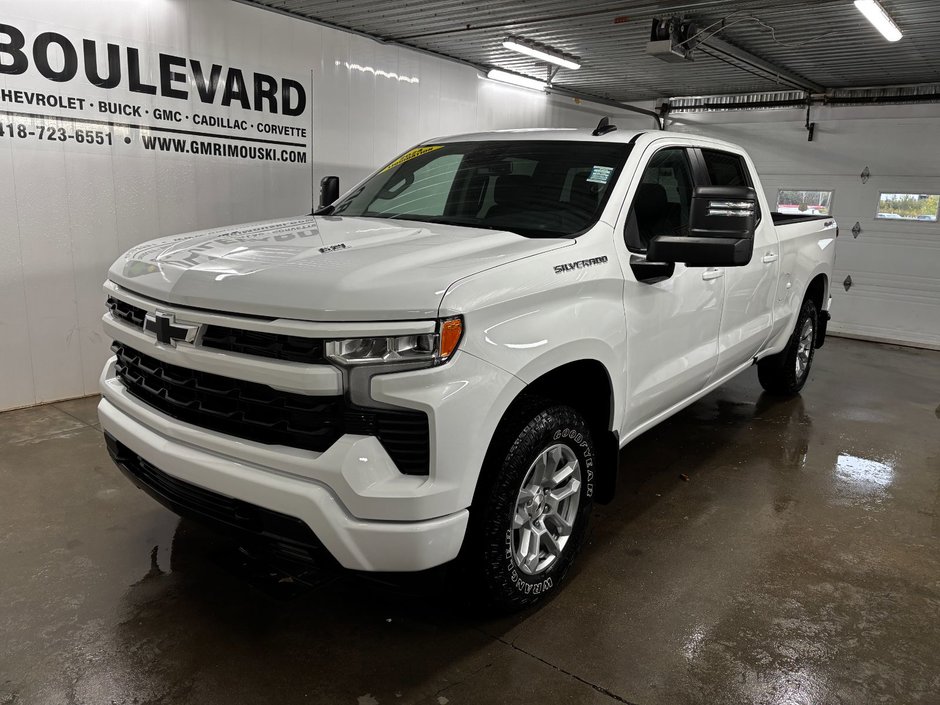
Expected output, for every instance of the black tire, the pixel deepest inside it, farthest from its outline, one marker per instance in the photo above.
(780, 374)
(534, 427)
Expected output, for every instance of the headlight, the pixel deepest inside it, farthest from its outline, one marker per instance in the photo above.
(428, 348)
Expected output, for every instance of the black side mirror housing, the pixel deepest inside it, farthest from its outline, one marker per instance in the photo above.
(721, 230)
(329, 190)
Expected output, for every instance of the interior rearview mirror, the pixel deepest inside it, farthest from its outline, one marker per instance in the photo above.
(721, 230)
(329, 190)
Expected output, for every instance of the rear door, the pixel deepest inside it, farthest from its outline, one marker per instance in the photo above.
(672, 323)
(749, 292)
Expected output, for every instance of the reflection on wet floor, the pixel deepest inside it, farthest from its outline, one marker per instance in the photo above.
(863, 473)
(759, 550)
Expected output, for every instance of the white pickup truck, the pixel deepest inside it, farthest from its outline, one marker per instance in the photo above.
(445, 362)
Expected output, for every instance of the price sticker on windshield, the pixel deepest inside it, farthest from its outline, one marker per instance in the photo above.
(408, 156)
(600, 174)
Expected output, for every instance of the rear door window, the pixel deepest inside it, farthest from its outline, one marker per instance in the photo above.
(726, 169)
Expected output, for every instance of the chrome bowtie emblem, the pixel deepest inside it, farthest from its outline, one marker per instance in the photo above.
(167, 330)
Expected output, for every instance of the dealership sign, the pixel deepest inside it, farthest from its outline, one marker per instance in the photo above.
(106, 93)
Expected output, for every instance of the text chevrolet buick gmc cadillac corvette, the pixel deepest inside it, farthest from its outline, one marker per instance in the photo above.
(445, 362)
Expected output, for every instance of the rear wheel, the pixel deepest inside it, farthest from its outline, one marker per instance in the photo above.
(532, 507)
(787, 371)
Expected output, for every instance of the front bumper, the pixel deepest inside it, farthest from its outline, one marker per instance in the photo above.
(354, 543)
(366, 514)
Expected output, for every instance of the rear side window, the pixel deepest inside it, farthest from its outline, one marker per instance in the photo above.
(725, 168)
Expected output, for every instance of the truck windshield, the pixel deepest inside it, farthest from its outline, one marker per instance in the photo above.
(532, 188)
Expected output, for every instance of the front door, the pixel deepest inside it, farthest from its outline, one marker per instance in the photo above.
(673, 323)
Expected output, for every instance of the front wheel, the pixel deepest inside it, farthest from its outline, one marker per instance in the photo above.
(533, 504)
(787, 371)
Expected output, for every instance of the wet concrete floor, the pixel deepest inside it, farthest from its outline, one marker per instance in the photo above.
(799, 562)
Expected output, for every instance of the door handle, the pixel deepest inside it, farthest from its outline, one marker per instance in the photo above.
(713, 273)
(769, 257)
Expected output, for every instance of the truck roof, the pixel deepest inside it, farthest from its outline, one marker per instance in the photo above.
(572, 134)
(541, 133)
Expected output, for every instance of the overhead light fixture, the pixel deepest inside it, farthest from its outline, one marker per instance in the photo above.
(541, 53)
(516, 80)
(876, 14)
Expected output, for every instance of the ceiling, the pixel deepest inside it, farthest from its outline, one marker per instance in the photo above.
(610, 38)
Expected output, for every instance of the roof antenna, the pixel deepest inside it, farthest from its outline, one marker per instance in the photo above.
(603, 127)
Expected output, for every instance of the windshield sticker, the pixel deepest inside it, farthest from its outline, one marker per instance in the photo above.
(417, 152)
(600, 174)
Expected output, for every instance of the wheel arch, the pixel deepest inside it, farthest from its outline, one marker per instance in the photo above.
(817, 292)
(587, 386)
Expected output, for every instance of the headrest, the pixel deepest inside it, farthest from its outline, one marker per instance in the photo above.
(650, 200)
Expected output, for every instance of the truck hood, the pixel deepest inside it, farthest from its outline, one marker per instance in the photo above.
(319, 267)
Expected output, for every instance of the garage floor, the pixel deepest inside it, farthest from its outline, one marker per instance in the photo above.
(759, 551)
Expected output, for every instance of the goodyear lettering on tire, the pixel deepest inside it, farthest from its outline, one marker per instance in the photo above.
(578, 439)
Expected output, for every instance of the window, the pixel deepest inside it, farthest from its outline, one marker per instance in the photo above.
(662, 201)
(530, 187)
(725, 168)
(798, 202)
(908, 206)
(422, 191)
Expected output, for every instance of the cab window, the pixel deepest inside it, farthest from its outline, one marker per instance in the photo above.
(725, 168)
(662, 201)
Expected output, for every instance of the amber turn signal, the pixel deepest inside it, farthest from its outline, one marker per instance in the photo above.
(451, 331)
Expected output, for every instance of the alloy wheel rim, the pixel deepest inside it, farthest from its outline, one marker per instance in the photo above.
(545, 509)
(804, 348)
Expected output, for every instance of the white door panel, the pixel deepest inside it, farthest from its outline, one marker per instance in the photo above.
(672, 325)
(747, 319)
(672, 340)
(894, 265)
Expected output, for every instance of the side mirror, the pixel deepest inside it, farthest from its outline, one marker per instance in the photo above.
(721, 230)
(329, 190)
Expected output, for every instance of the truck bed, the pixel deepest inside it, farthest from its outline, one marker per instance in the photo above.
(787, 218)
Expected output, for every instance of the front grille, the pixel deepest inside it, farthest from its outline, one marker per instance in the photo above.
(275, 346)
(125, 312)
(288, 536)
(260, 413)
(271, 345)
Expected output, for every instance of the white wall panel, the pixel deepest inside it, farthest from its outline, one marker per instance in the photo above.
(45, 240)
(15, 349)
(68, 209)
(431, 121)
(135, 200)
(94, 244)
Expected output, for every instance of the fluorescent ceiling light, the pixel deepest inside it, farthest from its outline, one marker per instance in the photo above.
(539, 54)
(876, 14)
(516, 80)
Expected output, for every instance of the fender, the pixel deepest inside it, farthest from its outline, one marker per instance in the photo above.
(780, 341)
